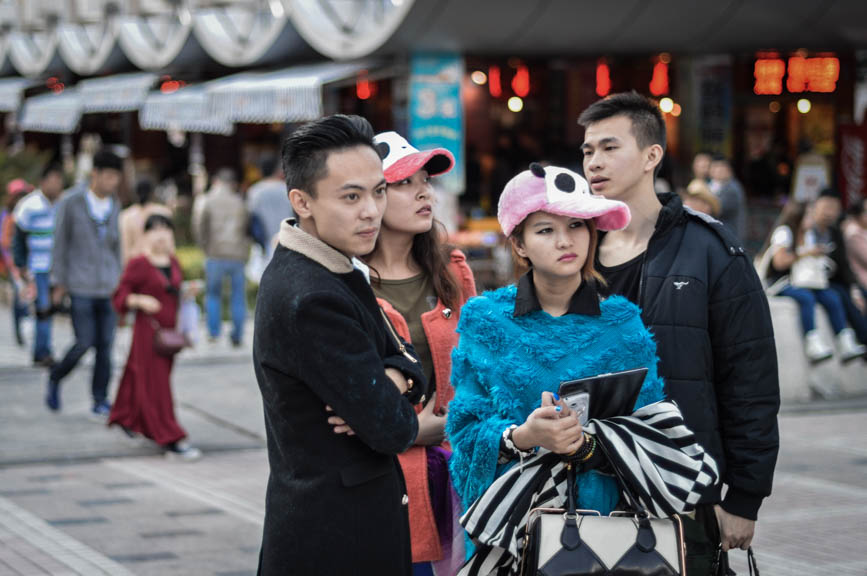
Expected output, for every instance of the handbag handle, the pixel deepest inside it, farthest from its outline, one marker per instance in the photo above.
(751, 562)
(570, 537)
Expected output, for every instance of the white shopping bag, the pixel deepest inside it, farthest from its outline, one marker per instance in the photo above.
(188, 320)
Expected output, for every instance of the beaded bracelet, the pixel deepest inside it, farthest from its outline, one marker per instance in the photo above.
(586, 450)
(508, 450)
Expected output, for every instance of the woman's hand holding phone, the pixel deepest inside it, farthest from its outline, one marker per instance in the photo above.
(553, 426)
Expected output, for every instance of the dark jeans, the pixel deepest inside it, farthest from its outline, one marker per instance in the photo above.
(93, 322)
(857, 320)
(215, 271)
(702, 540)
(42, 341)
(807, 299)
(20, 311)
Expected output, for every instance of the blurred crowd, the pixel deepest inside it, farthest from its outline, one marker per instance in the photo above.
(76, 250)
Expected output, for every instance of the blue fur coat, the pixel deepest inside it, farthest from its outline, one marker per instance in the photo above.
(503, 364)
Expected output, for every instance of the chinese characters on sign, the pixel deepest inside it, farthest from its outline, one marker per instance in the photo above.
(436, 118)
(804, 75)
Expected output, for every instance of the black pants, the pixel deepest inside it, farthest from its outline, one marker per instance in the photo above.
(93, 322)
(702, 540)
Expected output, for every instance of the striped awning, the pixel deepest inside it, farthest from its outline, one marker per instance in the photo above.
(12, 91)
(290, 95)
(57, 113)
(186, 110)
(118, 93)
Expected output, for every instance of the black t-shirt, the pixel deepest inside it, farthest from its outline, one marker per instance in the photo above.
(622, 279)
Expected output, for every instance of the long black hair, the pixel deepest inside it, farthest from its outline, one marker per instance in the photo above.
(433, 255)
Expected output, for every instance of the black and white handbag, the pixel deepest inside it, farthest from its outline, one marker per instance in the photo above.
(572, 542)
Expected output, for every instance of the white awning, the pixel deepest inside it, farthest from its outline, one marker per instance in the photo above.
(57, 113)
(118, 93)
(186, 110)
(11, 92)
(290, 95)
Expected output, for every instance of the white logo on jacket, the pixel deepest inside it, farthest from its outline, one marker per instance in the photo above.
(680, 285)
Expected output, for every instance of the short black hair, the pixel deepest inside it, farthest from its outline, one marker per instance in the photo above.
(158, 221)
(51, 167)
(305, 151)
(107, 160)
(856, 208)
(269, 165)
(719, 157)
(144, 189)
(648, 126)
(830, 192)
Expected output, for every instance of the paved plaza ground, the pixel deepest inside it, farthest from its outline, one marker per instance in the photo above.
(77, 498)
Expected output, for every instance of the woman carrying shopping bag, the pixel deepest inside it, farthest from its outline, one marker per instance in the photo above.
(517, 344)
(150, 286)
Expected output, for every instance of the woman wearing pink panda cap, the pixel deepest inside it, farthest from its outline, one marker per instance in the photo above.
(422, 284)
(519, 342)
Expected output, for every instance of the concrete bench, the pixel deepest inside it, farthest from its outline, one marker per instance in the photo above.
(801, 381)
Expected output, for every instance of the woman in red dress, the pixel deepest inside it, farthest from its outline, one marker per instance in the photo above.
(150, 285)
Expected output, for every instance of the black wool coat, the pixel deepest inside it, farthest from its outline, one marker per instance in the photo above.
(336, 504)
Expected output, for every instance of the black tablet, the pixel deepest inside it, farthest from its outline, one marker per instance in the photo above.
(605, 395)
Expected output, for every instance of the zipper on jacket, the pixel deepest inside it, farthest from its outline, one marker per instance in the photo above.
(397, 340)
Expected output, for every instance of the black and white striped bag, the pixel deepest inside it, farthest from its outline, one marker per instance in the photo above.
(651, 450)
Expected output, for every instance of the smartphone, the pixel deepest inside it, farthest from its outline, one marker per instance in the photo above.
(580, 404)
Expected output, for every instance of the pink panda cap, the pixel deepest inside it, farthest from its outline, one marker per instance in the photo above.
(557, 191)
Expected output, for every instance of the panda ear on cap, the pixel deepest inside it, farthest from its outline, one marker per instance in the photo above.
(383, 149)
(537, 169)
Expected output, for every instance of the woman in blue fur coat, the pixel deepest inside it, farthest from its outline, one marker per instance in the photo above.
(519, 342)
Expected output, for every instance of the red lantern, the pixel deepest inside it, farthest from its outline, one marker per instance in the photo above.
(603, 79)
(494, 86)
(659, 81)
(521, 82)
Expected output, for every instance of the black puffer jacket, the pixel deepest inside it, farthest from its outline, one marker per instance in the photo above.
(702, 299)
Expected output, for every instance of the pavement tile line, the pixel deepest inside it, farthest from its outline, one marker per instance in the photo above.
(79, 557)
(196, 490)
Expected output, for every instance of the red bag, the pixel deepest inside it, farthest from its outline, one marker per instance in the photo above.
(168, 342)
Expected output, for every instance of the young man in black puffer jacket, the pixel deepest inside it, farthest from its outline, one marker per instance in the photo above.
(702, 299)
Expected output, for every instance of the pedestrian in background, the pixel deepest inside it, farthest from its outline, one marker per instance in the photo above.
(855, 235)
(150, 286)
(85, 263)
(701, 167)
(268, 205)
(733, 212)
(221, 230)
(336, 503)
(422, 284)
(701, 298)
(825, 233)
(34, 242)
(15, 191)
(699, 197)
(133, 218)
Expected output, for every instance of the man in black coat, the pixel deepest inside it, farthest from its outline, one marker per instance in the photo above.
(702, 299)
(336, 502)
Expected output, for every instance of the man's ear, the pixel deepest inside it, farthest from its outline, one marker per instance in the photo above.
(518, 246)
(653, 157)
(300, 201)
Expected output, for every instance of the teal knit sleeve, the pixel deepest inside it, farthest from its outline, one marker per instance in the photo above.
(474, 428)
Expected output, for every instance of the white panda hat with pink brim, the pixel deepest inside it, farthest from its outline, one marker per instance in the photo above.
(557, 191)
(400, 159)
